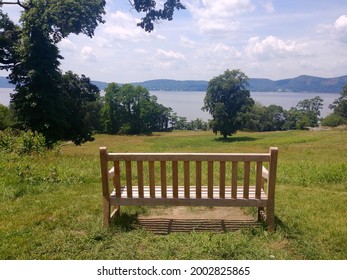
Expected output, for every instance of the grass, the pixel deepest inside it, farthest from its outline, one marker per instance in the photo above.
(50, 205)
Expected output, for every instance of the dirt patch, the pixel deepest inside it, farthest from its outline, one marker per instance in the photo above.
(164, 220)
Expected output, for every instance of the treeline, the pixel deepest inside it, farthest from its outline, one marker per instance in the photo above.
(130, 109)
(271, 118)
(304, 115)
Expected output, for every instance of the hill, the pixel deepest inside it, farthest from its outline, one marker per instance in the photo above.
(302, 83)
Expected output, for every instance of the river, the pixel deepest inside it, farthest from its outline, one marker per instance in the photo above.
(188, 103)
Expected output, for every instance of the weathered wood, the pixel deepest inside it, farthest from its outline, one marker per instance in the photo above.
(270, 209)
(210, 178)
(186, 179)
(105, 187)
(140, 177)
(234, 179)
(222, 179)
(188, 157)
(129, 179)
(151, 179)
(198, 178)
(259, 178)
(220, 167)
(175, 178)
(163, 178)
(246, 175)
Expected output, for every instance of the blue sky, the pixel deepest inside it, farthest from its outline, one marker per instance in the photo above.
(265, 39)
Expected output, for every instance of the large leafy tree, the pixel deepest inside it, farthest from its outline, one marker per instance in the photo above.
(228, 100)
(29, 51)
(131, 109)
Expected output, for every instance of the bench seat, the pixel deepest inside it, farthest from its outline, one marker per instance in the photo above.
(193, 200)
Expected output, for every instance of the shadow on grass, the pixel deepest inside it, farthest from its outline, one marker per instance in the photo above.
(125, 221)
(162, 226)
(235, 139)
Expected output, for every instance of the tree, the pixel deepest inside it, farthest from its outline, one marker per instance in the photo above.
(310, 109)
(227, 100)
(29, 51)
(340, 104)
(80, 96)
(131, 109)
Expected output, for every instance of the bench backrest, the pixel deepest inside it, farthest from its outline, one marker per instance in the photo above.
(226, 170)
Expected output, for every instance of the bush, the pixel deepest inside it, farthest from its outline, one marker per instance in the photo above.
(333, 120)
(22, 142)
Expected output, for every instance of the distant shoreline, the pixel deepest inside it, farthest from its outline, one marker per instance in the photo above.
(304, 83)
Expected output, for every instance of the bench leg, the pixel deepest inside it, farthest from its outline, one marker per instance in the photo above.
(106, 213)
(270, 218)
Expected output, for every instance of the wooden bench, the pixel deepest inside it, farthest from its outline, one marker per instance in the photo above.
(189, 179)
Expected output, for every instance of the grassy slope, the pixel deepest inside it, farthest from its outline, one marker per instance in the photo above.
(50, 207)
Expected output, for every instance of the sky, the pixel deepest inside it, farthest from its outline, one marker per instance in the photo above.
(274, 39)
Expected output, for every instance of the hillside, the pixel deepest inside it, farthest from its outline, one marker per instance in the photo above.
(302, 83)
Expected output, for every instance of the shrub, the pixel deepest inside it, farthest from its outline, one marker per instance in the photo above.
(22, 142)
(334, 120)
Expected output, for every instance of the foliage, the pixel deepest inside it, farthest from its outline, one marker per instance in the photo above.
(333, 120)
(131, 109)
(340, 105)
(80, 96)
(29, 51)
(228, 100)
(153, 14)
(6, 117)
(22, 142)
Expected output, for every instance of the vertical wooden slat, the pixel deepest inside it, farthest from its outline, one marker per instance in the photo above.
(105, 187)
(186, 179)
(259, 177)
(246, 175)
(270, 209)
(151, 179)
(234, 172)
(116, 179)
(198, 179)
(140, 177)
(222, 179)
(163, 178)
(210, 179)
(129, 179)
(175, 179)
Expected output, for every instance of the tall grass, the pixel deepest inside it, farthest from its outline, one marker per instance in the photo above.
(50, 204)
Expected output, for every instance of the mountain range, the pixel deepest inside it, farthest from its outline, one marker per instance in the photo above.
(302, 83)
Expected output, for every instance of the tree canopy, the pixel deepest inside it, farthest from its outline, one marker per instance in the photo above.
(227, 100)
(43, 99)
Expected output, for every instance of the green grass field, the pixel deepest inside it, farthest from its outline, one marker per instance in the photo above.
(50, 205)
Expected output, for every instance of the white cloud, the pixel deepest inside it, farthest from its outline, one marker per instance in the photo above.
(218, 15)
(67, 45)
(186, 42)
(341, 23)
(123, 26)
(88, 54)
(170, 55)
(272, 47)
(341, 28)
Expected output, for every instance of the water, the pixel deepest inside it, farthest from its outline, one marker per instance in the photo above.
(189, 103)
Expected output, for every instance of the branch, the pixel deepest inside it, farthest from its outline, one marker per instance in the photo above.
(19, 3)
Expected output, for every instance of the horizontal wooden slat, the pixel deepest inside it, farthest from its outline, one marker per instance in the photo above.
(204, 192)
(188, 157)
